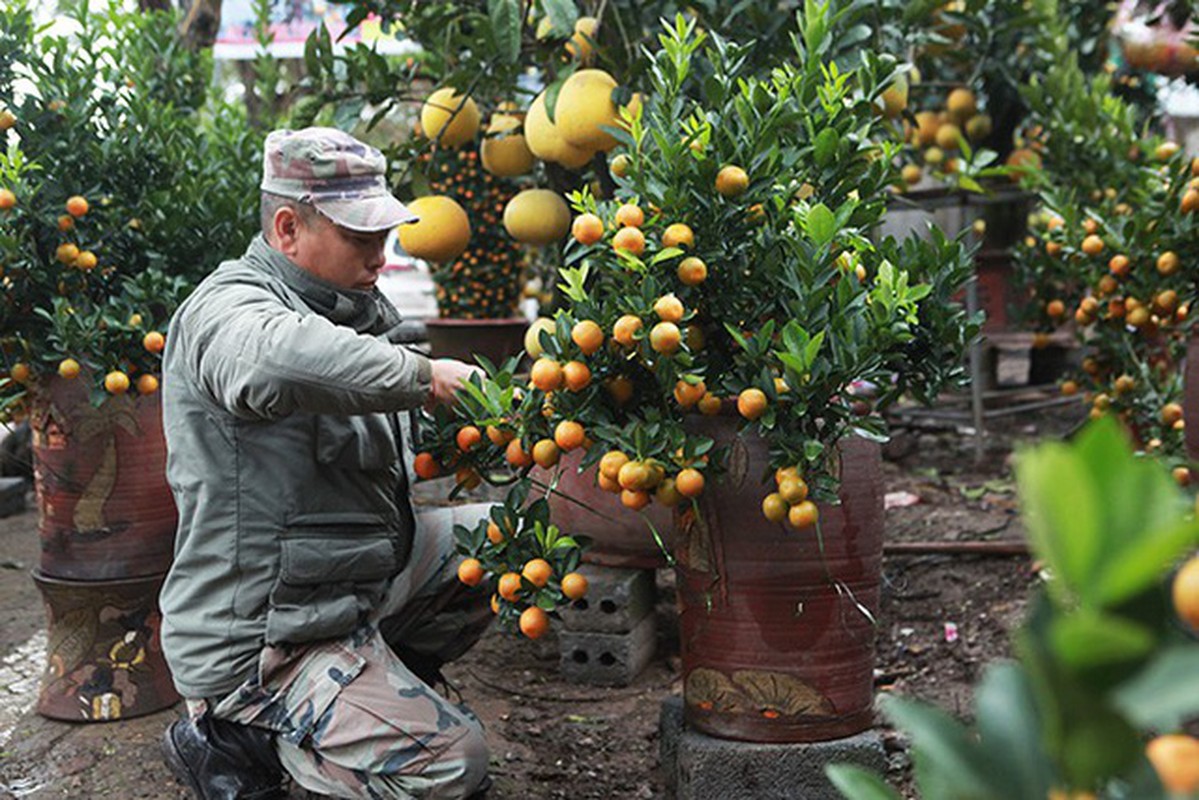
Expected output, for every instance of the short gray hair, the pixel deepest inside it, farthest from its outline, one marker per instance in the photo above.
(270, 203)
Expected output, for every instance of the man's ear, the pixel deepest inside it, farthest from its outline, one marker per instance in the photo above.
(285, 228)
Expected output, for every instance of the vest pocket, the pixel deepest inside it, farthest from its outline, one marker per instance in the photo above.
(362, 442)
(333, 570)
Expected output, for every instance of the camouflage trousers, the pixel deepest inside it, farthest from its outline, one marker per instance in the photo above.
(353, 721)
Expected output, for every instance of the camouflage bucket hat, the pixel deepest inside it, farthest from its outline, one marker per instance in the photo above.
(339, 175)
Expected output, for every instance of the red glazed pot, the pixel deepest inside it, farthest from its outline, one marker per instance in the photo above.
(775, 647)
(619, 537)
(105, 509)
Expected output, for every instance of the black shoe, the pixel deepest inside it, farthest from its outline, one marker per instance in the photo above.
(220, 760)
(481, 792)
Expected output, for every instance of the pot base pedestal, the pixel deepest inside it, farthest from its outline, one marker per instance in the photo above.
(104, 657)
(696, 766)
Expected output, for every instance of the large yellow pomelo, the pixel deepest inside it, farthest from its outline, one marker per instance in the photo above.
(436, 113)
(585, 106)
(537, 216)
(581, 44)
(546, 142)
(503, 152)
(533, 335)
(442, 232)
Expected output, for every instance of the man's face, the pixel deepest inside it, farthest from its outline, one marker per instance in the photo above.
(348, 259)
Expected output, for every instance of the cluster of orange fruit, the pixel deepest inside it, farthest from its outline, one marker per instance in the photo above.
(636, 481)
(790, 502)
(627, 237)
(1125, 291)
(938, 133)
(116, 381)
(68, 253)
(485, 280)
(520, 587)
(640, 481)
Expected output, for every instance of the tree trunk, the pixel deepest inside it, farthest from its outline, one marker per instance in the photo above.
(200, 24)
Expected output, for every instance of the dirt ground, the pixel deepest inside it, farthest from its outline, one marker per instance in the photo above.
(553, 739)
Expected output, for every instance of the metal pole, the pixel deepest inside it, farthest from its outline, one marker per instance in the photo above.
(976, 374)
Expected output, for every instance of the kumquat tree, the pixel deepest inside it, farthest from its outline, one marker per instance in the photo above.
(732, 273)
(1106, 253)
(124, 173)
(1106, 660)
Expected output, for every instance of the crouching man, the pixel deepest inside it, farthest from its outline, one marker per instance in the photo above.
(309, 609)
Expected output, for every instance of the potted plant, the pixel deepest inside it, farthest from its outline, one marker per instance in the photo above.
(964, 113)
(1097, 699)
(730, 337)
(479, 291)
(488, 77)
(1106, 253)
(116, 181)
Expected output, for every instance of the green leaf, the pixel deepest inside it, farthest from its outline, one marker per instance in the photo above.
(575, 281)
(312, 61)
(1132, 569)
(346, 114)
(948, 753)
(551, 94)
(857, 783)
(825, 146)
(562, 14)
(1010, 727)
(970, 185)
(1061, 512)
(665, 253)
(793, 362)
(1137, 493)
(475, 393)
(505, 28)
(1091, 639)
(1107, 522)
(821, 226)
(813, 347)
(1099, 746)
(1165, 693)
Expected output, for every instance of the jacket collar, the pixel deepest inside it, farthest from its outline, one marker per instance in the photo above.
(367, 312)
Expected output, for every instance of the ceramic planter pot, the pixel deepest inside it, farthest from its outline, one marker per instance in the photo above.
(104, 653)
(105, 509)
(777, 625)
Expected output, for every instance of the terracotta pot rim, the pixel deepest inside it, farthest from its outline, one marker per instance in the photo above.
(40, 576)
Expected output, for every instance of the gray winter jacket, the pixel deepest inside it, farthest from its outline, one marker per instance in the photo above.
(280, 401)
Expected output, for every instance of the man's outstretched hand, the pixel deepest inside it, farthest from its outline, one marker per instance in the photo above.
(448, 377)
